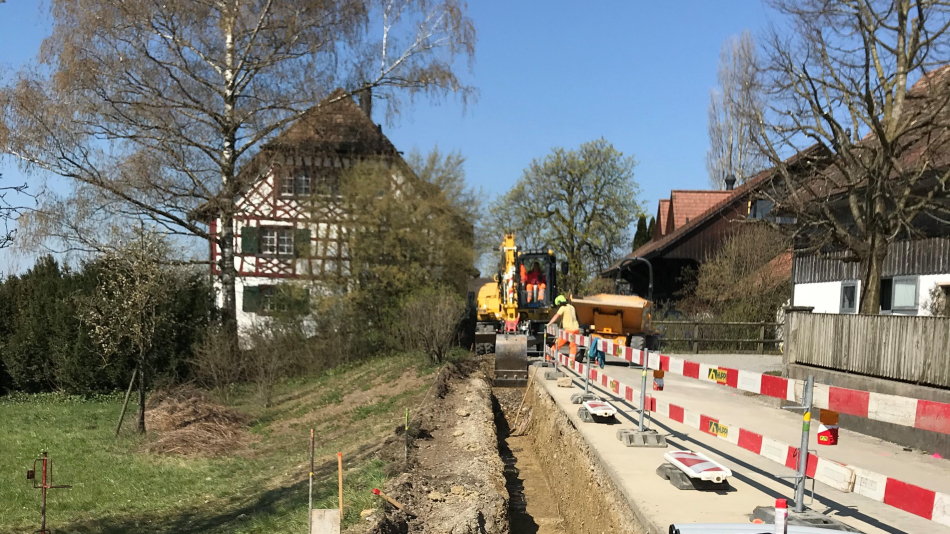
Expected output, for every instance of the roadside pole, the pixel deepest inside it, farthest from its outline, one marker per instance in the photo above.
(801, 476)
(643, 388)
(587, 369)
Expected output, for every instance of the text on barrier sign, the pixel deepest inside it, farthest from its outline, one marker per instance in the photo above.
(719, 375)
(719, 429)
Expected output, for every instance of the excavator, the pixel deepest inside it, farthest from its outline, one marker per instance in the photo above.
(512, 308)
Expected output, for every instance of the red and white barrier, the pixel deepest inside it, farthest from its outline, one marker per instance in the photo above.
(923, 414)
(914, 499)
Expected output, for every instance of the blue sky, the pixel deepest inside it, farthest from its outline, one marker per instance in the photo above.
(550, 73)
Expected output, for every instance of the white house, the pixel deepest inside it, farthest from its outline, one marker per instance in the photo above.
(290, 223)
(915, 271)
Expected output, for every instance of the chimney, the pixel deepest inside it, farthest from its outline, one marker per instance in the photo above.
(730, 182)
(366, 101)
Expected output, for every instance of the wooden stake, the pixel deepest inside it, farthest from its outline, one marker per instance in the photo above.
(125, 405)
(392, 501)
(310, 491)
(339, 463)
(527, 388)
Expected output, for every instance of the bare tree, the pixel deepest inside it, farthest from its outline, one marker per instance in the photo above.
(868, 82)
(152, 108)
(130, 302)
(731, 147)
(431, 319)
(9, 212)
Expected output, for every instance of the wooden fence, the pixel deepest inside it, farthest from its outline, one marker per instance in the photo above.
(690, 335)
(911, 349)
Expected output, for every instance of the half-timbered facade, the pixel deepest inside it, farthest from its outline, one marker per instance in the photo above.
(290, 223)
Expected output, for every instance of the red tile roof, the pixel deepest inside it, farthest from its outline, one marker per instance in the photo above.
(758, 180)
(659, 230)
(686, 205)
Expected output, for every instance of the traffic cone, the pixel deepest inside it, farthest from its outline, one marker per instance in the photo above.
(828, 427)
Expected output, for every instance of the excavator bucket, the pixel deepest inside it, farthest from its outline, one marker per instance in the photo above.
(511, 360)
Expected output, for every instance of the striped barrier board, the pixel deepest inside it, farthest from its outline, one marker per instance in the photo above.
(914, 499)
(697, 465)
(922, 414)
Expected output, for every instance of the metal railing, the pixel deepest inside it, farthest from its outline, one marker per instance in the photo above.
(721, 335)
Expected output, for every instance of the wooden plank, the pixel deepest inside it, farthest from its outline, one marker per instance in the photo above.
(913, 349)
(325, 521)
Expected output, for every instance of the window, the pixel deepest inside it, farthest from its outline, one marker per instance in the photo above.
(277, 241)
(287, 185)
(295, 183)
(302, 183)
(285, 242)
(849, 297)
(760, 209)
(887, 286)
(271, 299)
(899, 293)
(905, 293)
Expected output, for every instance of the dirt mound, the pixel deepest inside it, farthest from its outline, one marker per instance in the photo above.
(453, 482)
(189, 424)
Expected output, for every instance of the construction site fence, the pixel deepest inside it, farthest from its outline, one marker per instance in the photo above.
(914, 499)
(693, 336)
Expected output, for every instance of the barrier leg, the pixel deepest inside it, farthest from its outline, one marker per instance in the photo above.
(641, 437)
(581, 398)
(643, 398)
(801, 477)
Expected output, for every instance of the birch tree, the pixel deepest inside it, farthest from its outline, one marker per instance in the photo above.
(731, 147)
(868, 84)
(150, 109)
(8, 212)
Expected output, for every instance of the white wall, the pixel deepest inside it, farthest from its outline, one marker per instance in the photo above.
(825, 297)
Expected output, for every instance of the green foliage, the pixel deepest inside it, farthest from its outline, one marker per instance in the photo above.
(642, 235)
(580, 203)
(45, 347)
(651, 228)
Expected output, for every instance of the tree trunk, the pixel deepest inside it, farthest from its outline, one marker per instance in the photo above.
(141, 397)
(229, 133)
(871, 280)
(228, 278)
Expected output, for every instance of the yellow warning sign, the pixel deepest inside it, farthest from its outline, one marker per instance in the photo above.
(719, 375)
(719, 429)
(614, 386)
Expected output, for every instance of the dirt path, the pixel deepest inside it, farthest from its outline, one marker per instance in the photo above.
(533, 508)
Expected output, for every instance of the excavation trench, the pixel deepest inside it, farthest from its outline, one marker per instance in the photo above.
(471, 471)
(554, 484)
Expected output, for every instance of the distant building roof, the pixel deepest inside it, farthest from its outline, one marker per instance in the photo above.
(659, 228)
(687, 205)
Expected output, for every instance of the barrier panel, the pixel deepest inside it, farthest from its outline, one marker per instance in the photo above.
(916, 413)
(914, 499)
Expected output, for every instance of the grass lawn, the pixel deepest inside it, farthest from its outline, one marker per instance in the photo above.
(117, 488)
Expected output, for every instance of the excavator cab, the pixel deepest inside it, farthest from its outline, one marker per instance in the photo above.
(537, 280)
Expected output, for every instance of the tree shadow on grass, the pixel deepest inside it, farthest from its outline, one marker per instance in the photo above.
(278, 504)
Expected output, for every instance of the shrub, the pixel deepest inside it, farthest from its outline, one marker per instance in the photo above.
(430, 322)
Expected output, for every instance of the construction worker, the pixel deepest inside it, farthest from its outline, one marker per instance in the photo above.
(569, 323)
(535, 283)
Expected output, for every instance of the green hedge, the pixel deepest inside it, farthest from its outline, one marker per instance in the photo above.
(45, 347)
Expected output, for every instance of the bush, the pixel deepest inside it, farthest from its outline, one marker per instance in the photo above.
(430, 322)
(45, 347)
